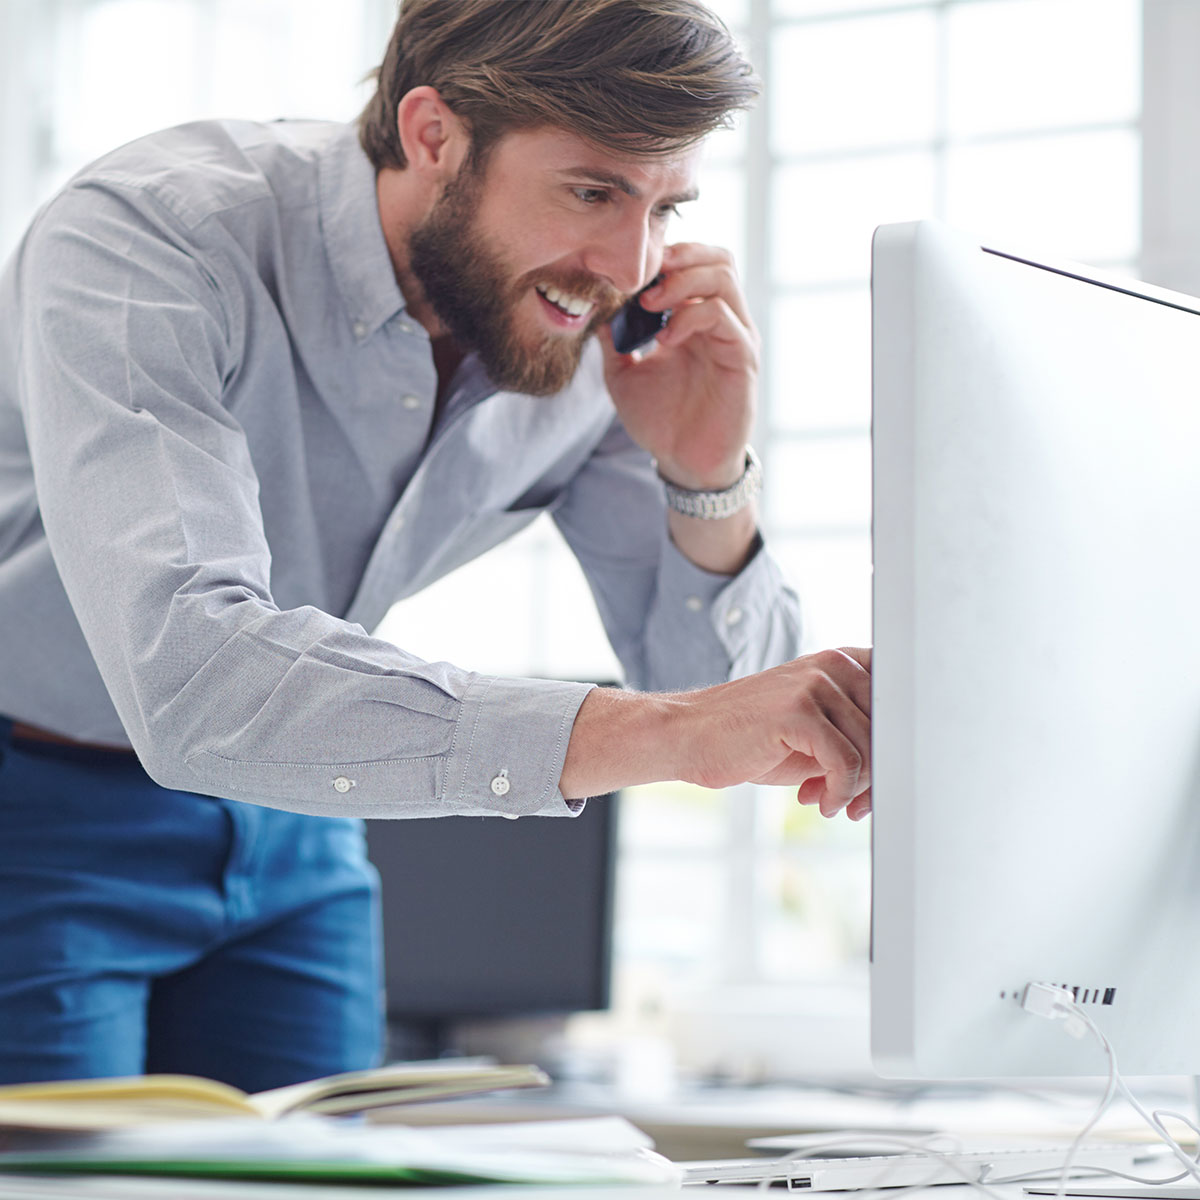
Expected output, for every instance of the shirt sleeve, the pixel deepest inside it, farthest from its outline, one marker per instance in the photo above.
(672, 625)
(149, 500)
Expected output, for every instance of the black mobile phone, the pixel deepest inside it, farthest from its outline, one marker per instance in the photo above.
(633, 326)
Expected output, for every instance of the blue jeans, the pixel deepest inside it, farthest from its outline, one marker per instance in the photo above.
(143, 929)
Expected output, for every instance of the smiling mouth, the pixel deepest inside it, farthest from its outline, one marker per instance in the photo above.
(574, 308)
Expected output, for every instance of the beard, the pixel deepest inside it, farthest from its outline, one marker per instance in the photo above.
(475, 296)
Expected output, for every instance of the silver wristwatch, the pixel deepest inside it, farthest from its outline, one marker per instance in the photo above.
(711, 506)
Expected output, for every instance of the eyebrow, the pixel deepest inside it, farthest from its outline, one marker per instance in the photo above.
(616, 180)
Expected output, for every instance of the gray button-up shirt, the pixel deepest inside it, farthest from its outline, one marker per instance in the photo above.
(219, 466)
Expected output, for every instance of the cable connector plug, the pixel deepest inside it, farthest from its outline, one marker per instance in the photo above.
(1054, 1004)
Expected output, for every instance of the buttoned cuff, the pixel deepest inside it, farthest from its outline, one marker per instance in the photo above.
(708, 628)
(733, 606)
(509, 746)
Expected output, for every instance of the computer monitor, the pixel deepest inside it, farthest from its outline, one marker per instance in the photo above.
(487, 917)
(1036, 674)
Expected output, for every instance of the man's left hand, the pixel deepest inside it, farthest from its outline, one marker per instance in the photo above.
(689, 400)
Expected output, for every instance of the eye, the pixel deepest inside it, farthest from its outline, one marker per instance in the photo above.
(665, 212)
(590, 195)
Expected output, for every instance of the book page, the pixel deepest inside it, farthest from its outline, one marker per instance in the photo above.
(356, 1091)
(112, 1103)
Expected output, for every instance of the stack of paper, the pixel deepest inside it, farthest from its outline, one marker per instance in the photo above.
(180, 1125)
(591, 1150)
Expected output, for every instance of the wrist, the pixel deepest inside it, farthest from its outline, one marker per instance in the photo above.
(716, 478)
(719, 547)
(621, 739)
(709, 504)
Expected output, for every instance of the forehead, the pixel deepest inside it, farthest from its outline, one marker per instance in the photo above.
(557, 153)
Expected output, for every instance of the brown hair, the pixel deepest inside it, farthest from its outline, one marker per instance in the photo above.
(644, 77)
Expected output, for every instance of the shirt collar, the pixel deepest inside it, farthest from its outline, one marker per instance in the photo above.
(354, 241)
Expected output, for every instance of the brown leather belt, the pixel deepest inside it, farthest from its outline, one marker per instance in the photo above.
(31, 733)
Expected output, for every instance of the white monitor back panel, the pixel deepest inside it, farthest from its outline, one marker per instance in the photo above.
(1037, 662)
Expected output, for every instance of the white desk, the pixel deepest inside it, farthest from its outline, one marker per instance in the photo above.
(716, 1122)
(712, 1123)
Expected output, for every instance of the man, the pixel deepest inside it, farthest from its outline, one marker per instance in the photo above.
(259, 382)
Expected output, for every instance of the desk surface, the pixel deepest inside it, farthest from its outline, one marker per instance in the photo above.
(710, 1124)
(716, 1122)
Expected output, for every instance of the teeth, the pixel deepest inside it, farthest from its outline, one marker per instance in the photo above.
(575, 305)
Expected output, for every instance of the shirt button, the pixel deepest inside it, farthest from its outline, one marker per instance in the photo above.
(404, 326)
(500, 784)
(694, 603)
(342, 784)
(411, 402)
(360, 330)
(733, 616)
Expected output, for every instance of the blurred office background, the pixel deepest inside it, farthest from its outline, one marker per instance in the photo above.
(1065, 125)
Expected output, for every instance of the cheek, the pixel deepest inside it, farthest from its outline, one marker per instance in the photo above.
(543, 241)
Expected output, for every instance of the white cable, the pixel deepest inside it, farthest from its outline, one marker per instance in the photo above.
(1054, 1003)
(1154, 1120)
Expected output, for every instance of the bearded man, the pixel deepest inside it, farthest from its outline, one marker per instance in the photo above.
(260, 381)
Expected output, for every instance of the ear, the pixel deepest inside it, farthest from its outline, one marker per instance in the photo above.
(434, 140)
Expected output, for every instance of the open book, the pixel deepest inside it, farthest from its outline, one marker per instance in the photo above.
(138, 1100)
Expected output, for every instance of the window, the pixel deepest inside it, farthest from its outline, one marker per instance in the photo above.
(82, 76)
(1019, 119)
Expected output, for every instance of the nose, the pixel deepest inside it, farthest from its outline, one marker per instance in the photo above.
(627, 256)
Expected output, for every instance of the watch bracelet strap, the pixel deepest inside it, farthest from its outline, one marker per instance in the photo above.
(712, 506)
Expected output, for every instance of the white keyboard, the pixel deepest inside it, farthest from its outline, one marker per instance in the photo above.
(909, 1169)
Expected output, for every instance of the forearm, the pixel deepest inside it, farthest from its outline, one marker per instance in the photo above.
(619, 739)
(722, 546)
(805, 723)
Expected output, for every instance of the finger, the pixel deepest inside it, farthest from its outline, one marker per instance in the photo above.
(811, 791)
(842, 689)
(844, 764)
(680, 255)
(846, 672)
(860, 806)
(700, 282)
(715, 320)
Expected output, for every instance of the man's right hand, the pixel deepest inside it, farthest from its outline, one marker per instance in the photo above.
(805, 724)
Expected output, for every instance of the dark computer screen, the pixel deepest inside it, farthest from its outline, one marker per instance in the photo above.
(484, 916)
